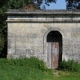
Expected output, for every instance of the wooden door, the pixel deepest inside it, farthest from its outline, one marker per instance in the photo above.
(54, 55)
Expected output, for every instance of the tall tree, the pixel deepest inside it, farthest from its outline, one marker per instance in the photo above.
(38, 3)
(73, 4)
(13, 4)
(4, 5)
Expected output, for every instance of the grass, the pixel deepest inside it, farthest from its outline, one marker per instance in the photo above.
(32, 69)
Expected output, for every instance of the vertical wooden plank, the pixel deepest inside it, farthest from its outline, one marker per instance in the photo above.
(54, 54)
(49, 54)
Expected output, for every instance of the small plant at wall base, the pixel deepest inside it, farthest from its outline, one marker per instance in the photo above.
(69, 65)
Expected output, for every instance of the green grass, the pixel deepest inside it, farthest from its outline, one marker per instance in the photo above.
(32, 69)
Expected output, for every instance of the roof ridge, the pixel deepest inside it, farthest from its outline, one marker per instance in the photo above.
(23, 11)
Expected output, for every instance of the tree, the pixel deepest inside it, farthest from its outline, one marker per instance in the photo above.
(13, 4)
(73, 4)
(39, 2)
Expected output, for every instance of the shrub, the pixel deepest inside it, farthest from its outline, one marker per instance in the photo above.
(31, 62)
(36, 63)
(69, 65)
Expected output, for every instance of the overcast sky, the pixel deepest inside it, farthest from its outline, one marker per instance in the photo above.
(60, 4)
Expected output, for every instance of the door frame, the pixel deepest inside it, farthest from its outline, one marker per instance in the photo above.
(45, 46)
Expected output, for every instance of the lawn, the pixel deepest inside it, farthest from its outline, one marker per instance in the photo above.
(32, 69)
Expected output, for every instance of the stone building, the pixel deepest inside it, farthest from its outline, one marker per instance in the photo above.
(49, 35)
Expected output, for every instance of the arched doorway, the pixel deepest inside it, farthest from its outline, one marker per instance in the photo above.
(54, 50)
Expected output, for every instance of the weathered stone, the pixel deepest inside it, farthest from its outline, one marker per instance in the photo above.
(28, 31)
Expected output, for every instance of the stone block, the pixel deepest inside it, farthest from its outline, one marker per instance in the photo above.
(28, 32)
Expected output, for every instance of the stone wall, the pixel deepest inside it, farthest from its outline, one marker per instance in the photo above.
(28, 30)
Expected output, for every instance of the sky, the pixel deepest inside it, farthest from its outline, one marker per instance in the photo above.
(60, 4)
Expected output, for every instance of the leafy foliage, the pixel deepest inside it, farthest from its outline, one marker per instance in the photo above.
(69, 65)
(27, 69)
(73, 4)
(31, 62)
(22, 69)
